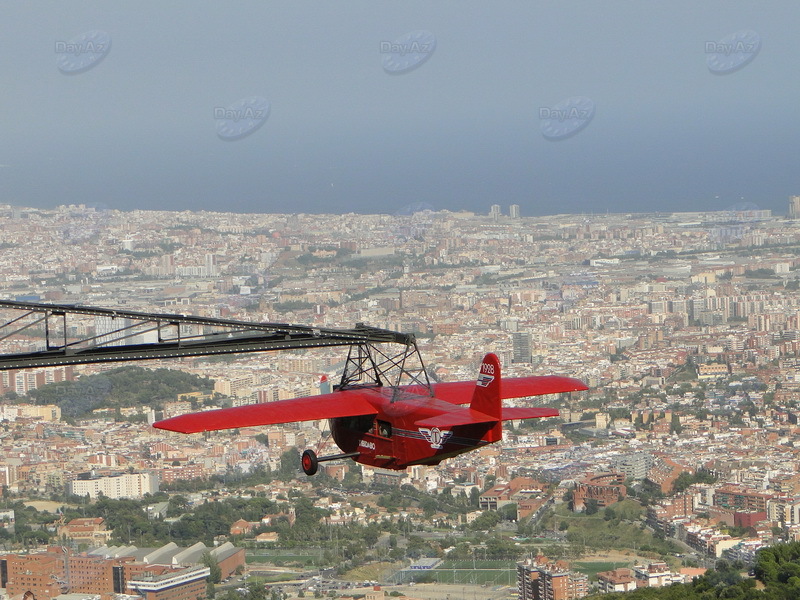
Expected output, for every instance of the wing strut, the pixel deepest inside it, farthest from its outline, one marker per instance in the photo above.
(371, 365)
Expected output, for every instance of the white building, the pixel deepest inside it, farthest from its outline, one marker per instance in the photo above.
(126, 485)
(656, 575)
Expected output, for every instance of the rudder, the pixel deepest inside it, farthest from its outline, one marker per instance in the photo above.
(486, 398)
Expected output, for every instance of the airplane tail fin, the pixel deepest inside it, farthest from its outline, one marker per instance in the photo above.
(487, 398)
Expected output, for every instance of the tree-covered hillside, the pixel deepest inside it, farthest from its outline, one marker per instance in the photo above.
(777, 577)
(126, 386)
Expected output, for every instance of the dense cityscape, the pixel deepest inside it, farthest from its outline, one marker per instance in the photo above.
(680, 458)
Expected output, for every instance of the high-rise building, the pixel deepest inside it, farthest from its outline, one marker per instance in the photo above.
(211, 265)
(167, 265)
(521, 346)
(794, 207)
(549, 581)
(495, 212)
(513, 211)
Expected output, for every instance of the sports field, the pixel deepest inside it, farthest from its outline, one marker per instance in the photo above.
(463, 572)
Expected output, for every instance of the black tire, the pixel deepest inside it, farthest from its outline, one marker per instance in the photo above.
(309, 462)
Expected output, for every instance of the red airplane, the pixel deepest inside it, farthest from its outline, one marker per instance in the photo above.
(396, 427)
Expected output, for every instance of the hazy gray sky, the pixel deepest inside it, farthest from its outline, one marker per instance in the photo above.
(652, 105)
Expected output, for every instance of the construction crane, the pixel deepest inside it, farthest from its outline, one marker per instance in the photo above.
(124, 335)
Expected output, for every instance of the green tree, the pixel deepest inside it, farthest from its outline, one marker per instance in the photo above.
(487, 520)
(591, 507)
(211, 562)
(508, 512)
(675, 425)
(290, 464)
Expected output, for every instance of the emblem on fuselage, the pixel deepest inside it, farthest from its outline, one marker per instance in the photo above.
(435, 436)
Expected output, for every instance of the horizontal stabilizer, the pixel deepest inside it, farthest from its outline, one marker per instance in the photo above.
(325, 406)
(464, 416)
(512, 414)
(522, 387)
(469, 416)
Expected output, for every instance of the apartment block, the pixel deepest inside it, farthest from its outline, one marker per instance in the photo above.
(126, 485)
(542, 580)
(742, 499)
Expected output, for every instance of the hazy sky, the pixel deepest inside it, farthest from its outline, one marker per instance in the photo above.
(558, 106)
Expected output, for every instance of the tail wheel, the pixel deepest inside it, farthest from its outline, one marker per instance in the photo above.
(309, 462)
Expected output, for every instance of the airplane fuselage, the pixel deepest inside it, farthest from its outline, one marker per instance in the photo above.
(391, 439)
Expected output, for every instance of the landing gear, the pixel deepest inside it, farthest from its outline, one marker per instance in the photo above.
(309, 462)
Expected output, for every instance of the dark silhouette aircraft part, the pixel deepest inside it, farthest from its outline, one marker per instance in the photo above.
(126, 335)
(369, 364)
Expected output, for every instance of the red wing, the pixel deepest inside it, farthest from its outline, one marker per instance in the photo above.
(460, 392)
(325, 406)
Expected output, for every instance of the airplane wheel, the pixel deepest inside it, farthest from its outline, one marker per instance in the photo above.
(309, 462)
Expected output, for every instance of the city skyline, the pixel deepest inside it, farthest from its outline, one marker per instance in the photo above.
(685, 326)
(741, 211)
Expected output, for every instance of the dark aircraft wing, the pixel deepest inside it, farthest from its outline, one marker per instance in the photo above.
(347, 403)
(460, 392)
